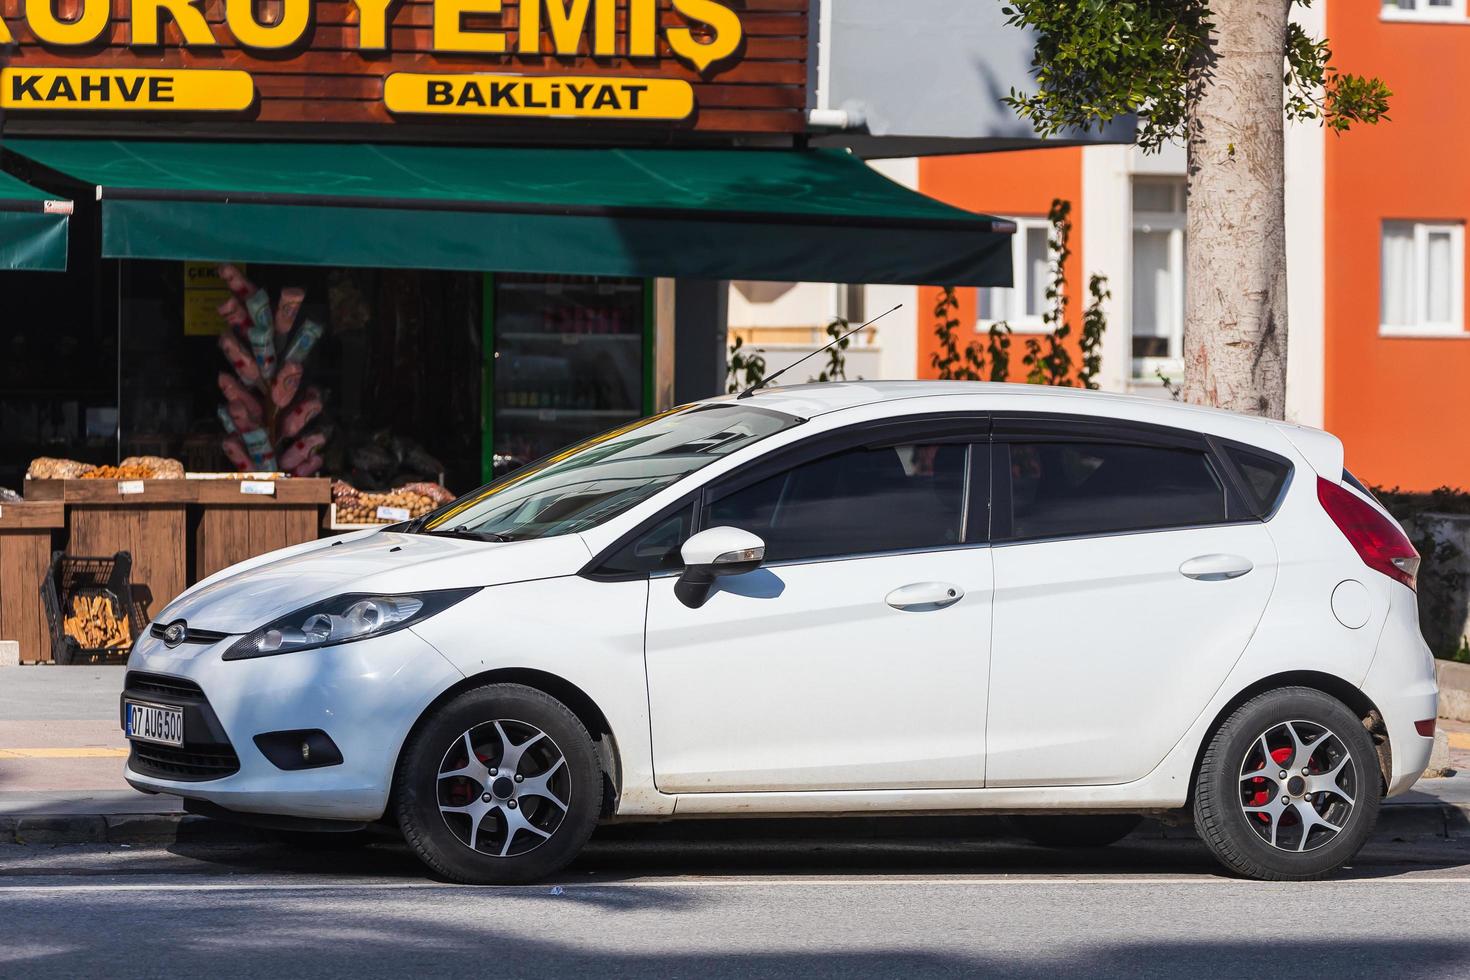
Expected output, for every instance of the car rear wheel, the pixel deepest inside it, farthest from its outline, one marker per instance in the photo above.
(502, 785)
(1289, 787)
(1074, 829)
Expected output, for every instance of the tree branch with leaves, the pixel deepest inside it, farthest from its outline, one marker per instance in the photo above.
(1222, 77)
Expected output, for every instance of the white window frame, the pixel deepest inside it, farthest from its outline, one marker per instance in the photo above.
(1019, 285)
(1173, 222)
(1422, 327)
(1454, 13)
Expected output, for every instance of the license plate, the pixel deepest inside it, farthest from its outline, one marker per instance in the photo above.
(155, 723)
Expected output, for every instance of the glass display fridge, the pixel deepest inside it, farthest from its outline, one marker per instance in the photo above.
(571, 356)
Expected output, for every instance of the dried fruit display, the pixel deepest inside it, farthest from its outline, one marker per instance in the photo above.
(48, 468)
(268, 416)
(412, 500)
(94, 624)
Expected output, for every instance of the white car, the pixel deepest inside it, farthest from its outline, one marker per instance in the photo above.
(1070, 607)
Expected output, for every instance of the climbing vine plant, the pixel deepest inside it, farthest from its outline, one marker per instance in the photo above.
(1048, 359)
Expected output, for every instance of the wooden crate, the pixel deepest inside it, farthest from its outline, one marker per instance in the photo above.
(26, 532)
(232, 526)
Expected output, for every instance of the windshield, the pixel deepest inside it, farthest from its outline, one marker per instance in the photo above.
(601, 478)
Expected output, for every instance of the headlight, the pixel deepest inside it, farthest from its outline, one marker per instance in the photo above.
(343, 619)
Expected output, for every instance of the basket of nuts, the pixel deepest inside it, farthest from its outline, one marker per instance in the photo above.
(90, 609)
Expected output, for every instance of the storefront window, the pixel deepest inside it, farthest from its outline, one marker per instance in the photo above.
(571, 358)
(58, 365)
(396, 369)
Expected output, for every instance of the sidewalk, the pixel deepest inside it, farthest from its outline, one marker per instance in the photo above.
(62, 752)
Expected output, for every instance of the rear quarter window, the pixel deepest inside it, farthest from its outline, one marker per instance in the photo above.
(1265, 476)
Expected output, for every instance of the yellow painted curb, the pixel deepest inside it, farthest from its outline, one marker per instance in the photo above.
(1459, 740)
(64, 753)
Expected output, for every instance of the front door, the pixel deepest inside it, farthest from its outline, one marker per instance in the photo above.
(856, 658)
(1128, 583)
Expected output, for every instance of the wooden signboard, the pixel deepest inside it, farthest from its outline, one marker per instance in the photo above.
(722, 66)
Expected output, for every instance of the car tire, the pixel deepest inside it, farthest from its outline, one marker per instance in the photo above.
(1074, 830)
(1288, 788)
(516, 810)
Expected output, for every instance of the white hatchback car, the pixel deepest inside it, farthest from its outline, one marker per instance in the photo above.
(1070, 607)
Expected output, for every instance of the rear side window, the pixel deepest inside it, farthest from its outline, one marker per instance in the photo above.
(1265, 476)
(861, 501)
(1062, 489)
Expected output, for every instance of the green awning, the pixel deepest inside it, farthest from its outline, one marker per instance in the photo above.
(818, 215)
(33, 226)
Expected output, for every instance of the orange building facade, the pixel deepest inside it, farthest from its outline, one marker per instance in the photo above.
(1375, 238)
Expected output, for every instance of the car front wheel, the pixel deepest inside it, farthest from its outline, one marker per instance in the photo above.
(1288, 788)
(500, 786)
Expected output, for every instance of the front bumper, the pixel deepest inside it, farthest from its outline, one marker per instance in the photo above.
(366, 696)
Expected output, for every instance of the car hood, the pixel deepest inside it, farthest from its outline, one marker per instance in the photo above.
(249, 595)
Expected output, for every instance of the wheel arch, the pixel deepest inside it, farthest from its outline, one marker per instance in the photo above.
(577, 701)
(1350, 695)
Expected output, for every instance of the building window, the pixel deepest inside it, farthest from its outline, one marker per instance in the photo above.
(1158, 278)
(1423, 278)
(1033, 259)
(1424, 10)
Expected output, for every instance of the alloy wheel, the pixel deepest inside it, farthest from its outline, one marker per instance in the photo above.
(1298, 785)
(503, 788)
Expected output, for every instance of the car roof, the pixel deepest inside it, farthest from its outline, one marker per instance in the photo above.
(1322, 450)
(809, 400)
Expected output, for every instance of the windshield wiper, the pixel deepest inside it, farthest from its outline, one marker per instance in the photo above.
(463, 531)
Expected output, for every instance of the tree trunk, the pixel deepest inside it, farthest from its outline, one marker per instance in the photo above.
(1235, 294)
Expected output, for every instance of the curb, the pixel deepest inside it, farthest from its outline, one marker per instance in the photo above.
(1395, 823)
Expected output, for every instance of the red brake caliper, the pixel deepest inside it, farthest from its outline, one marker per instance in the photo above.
(1260, 795)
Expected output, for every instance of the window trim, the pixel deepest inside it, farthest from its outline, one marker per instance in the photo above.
(1454, 14)
(1041, 427)
(1020, 323)
(1421, 325)
(968, 428)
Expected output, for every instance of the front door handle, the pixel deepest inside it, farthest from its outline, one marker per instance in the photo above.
(925, 595)
(1215, 568)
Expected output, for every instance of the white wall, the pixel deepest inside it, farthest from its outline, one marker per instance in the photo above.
(888, 351)
(1306, 233)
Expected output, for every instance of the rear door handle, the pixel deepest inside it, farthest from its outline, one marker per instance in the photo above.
(925, 595)
(1215, 568)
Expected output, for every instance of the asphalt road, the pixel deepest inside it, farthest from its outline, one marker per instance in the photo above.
(654, 902)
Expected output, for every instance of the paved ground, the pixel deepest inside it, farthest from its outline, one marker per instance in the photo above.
(833, 898)
(644, 903)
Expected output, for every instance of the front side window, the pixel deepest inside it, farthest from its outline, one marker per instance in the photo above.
(861, 501)
(1060, 489)
(1422, 278)
(601, 478)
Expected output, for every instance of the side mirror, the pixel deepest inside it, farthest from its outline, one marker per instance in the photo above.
(712, 553)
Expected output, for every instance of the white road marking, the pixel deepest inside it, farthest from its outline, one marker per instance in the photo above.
(571, 886)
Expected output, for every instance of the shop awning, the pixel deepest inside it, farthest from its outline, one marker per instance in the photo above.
(33, 227)
(818, 215)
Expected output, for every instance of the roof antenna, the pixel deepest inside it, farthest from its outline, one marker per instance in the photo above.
(765, 381)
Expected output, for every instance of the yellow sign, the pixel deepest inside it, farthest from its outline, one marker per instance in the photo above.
(707, 31)
(564, 96)
(204, 291)
(127, 89)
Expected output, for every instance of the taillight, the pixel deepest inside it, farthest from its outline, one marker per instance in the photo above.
(1378, 541)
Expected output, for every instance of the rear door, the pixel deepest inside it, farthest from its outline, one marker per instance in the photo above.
(1130, 575)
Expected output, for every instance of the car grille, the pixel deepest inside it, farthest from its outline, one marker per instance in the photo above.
(206, 752)
(160, 684)
(167, 762)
